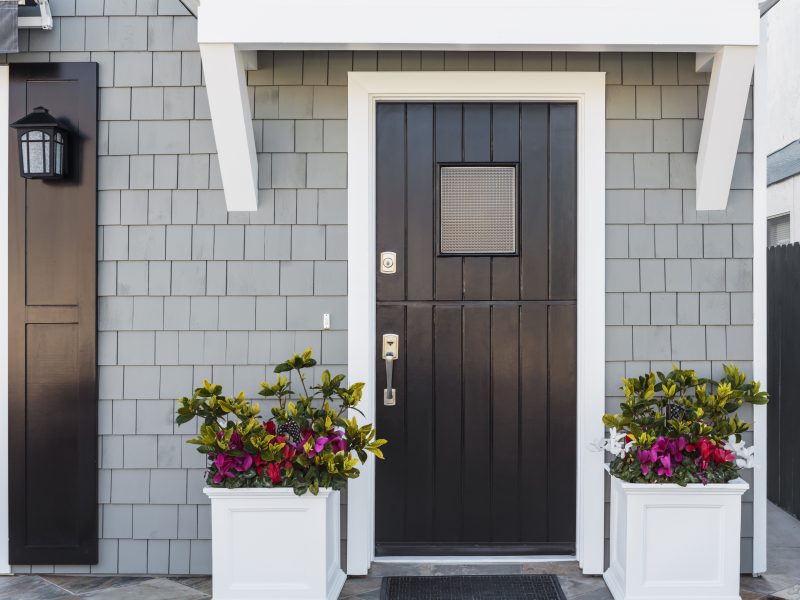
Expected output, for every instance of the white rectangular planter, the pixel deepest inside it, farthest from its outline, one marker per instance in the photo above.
(268, 543)
(669, 541)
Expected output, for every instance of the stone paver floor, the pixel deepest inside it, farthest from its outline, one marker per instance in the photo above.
(781, 581)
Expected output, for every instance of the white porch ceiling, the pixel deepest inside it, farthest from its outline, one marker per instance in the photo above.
(724, 33)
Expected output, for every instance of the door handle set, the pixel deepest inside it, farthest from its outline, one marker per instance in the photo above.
(391, 350)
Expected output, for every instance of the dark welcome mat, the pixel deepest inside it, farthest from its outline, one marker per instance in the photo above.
(473, 587)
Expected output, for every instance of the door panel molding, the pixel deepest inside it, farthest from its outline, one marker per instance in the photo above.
(587, 90)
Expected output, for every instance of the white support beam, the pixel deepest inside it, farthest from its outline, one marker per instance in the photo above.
(703, 62)
(722, 124)
(224, 68)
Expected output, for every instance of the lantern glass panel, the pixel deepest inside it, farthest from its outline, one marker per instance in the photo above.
(59, 153)
(35, 147)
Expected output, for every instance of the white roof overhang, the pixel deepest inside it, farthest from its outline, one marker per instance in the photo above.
(723, 33)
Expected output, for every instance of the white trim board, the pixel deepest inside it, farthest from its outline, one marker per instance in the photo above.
(4, 131)
(587, 91)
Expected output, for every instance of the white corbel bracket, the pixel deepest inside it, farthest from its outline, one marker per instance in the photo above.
(731, 75)
(225, 69)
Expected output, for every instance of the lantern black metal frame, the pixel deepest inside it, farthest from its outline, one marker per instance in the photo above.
(42, 141)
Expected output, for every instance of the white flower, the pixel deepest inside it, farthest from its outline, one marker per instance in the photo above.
(614, 444)
(745, 455)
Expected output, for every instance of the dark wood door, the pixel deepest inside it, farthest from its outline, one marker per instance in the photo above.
(52, 328)
(482, 456)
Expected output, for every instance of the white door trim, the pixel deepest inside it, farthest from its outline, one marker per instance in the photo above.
(587, 90)
(4, 166)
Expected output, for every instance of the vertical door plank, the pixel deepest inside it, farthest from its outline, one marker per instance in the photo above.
(563, 201)
(562, 357)
(390, 184)
(448, 149)
(505, 423)
(533, 421)
(477, 424)
(390, 477)
(421, 223)
(477, 148)
(505, 132)
(477, 132)
(534, 199)
(419, 424)
(447, 415)
(505, 148)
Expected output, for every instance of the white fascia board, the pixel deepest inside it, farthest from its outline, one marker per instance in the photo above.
(731, 75)
(471, 24)
(224, 69)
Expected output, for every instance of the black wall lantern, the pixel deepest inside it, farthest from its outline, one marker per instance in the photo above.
(42, 142)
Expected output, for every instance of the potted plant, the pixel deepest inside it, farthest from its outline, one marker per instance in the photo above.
(675, 485)
(274, 484)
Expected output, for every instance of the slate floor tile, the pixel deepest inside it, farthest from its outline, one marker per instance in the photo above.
(151, 589)
(82, 584)
(202, 584)
(30, 587)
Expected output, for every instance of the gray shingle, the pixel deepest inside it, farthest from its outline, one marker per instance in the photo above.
(663, 206)
(629, 136)
(202, 242)
(739, 342)
(308, 242)
(176, 313)
(716, 345)
(636, 309)
(113, 453)
(166, 347)
(327, 170)
(160, 279)
(237, 313)
(666, 241)
(678, 275)
(295, 102)
(651, 170)
(236, 347)
(113, 172)
(330, 102)
(133, 69)
(307, 201)
(159, 33)
(216, 278)
(620, 102)
(130, 486)
(175, 381)
(147, 103)
(335, 242)
(168, 486)
(717, 241)
(663, 309)
(266, 102)
(619, 171)
(157, 556)
(641, 241)
(133, 556)
(271, 313)
(191, 73)
(204, 313)
(651, 343)
(668, 135)
(708, 275)
(200, 563)
(308, 136)
(146, 242)
(715, 308)
(652, 276)
(140, 451)
(185, 33)
(288, 68)
(133, 207)
(132, 278)
(690, 241)
(184, 206)
(155, 416)
(289, 171)
(179, 551)
(741, 308)
(253, 278)
(141, 383)
(106, 279)
(127, 33)
(179, 242)
(688, 343)
(188, 278)
(164, 137)
(637, 68)
(96, 31)
(117, 521)
(305, 312)
(165, 172)
(614, 313)
(148, 313)
(742, 241)
(278, 136)
(166, 68)
(330, 278)
(682, 169)
(141, 172)
(738, 275)
(155, 522)
(679, 102)
(619, 344)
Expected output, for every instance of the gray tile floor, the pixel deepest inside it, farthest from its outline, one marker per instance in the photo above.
(781, 581)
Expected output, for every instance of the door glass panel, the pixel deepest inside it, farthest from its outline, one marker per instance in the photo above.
(478, 210)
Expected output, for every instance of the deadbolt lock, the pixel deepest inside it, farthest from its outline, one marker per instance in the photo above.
(388, 262)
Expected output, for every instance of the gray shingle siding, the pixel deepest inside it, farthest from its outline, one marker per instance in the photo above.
(188, 290)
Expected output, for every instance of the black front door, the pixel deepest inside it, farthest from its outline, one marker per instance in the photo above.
(478, 203)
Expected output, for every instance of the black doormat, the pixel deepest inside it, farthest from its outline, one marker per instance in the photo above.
(473, 587)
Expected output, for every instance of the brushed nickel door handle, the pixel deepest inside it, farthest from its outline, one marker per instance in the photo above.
(391, 347)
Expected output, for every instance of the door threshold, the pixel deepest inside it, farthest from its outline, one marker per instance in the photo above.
(473, 560)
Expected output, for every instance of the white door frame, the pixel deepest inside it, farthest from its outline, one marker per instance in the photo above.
(4, 168)
(587, 90)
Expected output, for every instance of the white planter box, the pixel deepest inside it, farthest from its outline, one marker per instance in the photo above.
(672, 542)
(268, 543)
